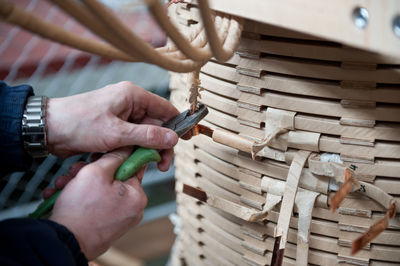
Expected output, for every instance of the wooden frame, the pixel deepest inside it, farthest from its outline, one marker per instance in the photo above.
(327, 97)
(330, 20)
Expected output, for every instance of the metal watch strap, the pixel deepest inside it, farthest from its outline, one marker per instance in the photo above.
(34, 127)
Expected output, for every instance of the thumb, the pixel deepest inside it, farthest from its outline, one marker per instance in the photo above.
(110, 161)
(149, 136)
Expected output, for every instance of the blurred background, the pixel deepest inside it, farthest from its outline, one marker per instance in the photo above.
(55, 70)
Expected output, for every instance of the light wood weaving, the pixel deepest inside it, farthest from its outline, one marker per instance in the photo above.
(330, 113)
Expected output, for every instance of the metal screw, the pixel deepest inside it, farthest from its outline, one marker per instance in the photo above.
(360, 17)
(396, 26)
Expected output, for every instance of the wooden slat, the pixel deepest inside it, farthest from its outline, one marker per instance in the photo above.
(304, 68)
(314, 50)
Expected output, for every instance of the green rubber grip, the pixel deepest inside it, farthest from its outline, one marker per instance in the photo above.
(127, 169)
(45, 207)
(137, 160)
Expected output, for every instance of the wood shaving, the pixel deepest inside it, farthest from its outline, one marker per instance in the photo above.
(194, 90)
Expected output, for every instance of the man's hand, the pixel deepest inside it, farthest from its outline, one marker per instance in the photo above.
(117, 115)
(98, 209)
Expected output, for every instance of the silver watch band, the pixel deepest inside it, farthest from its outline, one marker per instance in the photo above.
(34, 127)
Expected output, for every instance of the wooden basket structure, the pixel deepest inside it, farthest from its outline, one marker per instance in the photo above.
(308, 112)
(314, 112)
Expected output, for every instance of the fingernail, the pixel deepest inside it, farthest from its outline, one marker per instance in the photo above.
(170, 139)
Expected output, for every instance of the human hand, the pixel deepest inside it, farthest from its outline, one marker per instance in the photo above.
(117, 115)
(98, 209)
(63, 180)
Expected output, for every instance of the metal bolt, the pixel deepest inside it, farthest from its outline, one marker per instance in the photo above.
(396, 26)
(360, 17)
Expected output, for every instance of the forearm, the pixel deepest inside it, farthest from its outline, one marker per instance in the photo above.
(38, 242)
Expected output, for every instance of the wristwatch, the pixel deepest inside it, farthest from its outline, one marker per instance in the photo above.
(34, 127)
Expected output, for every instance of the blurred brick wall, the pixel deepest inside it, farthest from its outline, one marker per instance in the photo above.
(25, 51)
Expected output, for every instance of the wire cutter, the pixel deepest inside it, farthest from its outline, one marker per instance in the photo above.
(185, 121)
(181, 124)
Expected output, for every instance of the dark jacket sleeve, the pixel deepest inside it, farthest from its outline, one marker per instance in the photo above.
(12, 105)
(38, 242)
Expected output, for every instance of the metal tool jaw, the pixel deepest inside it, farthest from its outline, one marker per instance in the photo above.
(185, 121)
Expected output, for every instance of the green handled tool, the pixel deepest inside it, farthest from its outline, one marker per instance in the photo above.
(181, 124)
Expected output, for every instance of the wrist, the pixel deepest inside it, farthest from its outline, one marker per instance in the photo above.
(34, 131)
(56, 127)
(51, 125)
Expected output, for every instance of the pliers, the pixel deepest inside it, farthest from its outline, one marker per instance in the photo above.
(185, 121)
(181, 124)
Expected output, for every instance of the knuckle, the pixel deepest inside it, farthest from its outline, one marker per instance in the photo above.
(143, 200)
(123, 89)
(76, 167)
(90, 170)
(112, 142)
(153, 135)
(126, 84)
(140, 199)
(122, 129)
(115, 136)
(135, 219)
(128, 87)
(120, 156)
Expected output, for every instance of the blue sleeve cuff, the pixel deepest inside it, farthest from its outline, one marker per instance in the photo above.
(12, 105)
(69, 240)
(38, 242)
